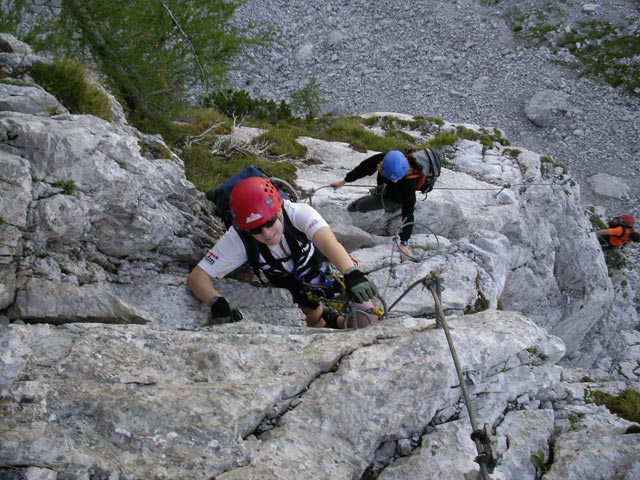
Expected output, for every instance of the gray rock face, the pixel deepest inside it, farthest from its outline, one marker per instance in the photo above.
(29, 100)
(106, 371)
(258, 402)
(512, 227)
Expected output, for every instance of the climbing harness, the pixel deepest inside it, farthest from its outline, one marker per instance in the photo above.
(487, 457)
(331, 292)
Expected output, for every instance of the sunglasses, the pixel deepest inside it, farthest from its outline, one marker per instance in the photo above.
(258, 230)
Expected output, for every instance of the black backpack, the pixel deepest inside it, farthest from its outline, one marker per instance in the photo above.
(220, 195)
(430, 165)
(626, 221)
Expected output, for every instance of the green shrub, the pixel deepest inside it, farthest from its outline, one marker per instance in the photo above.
(542, 467)
(67, 81)
(307, 100)
(240, 104)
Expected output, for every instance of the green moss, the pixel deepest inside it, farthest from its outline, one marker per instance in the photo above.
(626, 405)
(67, 81)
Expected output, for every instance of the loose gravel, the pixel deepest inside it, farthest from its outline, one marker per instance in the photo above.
(461, 61)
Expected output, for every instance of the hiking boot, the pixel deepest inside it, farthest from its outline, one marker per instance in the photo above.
(330, 318)
(353, 206)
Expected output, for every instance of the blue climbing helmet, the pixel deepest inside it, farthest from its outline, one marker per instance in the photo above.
(394, 165)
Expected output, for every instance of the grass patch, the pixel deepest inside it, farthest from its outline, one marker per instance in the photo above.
(206, 170)
(614, 259)
(436, 120)
(602, 50)
(67, 81)
(282, 142)
(485, 137)
(68, 187)
(16, 82)
(352, 130)
(626, 405)
(597, 223)
(154, 150)
(512, 152)
(546, 159)
(606, 53)
(185, 125)
(442, 139)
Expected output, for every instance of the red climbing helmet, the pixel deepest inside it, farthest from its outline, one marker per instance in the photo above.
(253, 202)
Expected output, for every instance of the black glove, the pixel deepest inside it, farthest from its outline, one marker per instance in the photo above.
(221, 312)
(359, 286)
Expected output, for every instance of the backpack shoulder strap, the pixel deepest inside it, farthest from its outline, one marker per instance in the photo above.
(252, 249)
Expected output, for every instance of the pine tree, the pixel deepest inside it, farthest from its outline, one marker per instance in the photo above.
(155, 53)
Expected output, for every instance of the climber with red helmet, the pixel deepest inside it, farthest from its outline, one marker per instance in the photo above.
(396, 189)
(287, 242)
